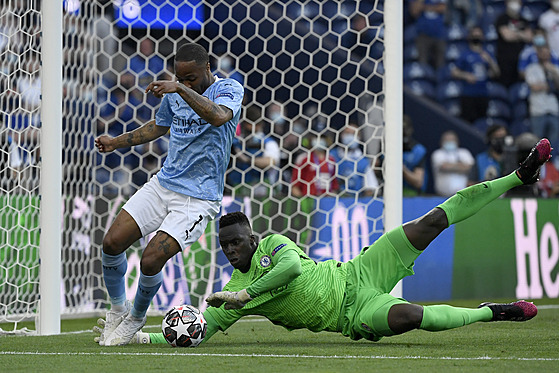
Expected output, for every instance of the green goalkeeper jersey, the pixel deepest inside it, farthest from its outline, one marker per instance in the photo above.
(312, 300)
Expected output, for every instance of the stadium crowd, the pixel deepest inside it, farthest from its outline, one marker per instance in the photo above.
(493, 63)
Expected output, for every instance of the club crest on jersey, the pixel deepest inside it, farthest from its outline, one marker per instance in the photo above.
(265, 261)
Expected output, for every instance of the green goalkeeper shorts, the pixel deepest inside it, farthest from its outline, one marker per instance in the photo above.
(370, 278)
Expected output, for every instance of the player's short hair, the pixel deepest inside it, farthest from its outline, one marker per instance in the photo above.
(236, 217)
(192, 52)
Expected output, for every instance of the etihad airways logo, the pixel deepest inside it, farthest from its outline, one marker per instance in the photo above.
(188, 126)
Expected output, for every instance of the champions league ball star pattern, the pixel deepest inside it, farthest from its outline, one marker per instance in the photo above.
(184, 326)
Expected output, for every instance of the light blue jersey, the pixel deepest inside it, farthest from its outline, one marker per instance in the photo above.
(198, 152)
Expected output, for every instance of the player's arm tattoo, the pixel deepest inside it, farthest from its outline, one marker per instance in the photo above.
(208, 110)
(146, 133)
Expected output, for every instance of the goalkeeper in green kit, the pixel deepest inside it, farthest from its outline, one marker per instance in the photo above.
(274, 278)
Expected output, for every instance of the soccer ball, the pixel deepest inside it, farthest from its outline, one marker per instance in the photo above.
(184, 326)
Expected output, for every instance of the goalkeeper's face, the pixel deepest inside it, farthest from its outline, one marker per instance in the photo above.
(194, 76)
(238, 244)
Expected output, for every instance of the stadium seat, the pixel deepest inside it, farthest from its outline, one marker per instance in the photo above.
(444, 74)
(455, 49)
(410, 53)
(456, 32)
(422, 88)
(417, 71)
(498, 109)
(410, 33)
(487, 22)
(532, 10)
(498, 92)
(449, 90)
(482, 124)
(518, 92)
(519, 126)
(453, 107)
(520, 111)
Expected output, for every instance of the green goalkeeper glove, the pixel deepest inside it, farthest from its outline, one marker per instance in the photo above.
(233, 299)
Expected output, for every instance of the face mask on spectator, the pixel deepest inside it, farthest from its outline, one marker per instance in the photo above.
(450, 146)
(350, 141)
(539, 40)
(498, 145)
(477, 41)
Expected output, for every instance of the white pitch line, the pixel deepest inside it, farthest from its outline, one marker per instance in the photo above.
(373, 357)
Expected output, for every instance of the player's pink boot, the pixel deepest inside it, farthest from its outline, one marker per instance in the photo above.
(516, 311)
(529, 170)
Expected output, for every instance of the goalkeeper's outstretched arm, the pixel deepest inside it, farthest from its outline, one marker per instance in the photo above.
(287, 268)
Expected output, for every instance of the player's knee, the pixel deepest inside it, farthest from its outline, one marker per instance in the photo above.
(405, 317)
(111, 245)
(151, 264)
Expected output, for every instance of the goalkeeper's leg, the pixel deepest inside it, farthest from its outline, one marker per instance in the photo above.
(469, 201)
(397, 316)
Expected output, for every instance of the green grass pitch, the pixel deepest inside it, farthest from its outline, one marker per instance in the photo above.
(256, 345)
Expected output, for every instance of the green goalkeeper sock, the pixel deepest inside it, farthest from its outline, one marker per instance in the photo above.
(444, 317)
(470, 200)
(159, 338)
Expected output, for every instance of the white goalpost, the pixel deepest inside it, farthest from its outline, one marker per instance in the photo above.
(311, 70)
(51, 171)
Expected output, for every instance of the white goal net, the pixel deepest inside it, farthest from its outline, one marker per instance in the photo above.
(305, 163)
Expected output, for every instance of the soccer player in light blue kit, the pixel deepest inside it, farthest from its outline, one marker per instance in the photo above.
(201, 113)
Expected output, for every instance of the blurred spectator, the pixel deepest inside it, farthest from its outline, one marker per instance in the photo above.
(146, 63)
(314, 173)
(465, 12)
(10, 161)
(451, 165)
(513, 33)
(475, 66)
(359, 38)
(414, 161)
(549, 21)
(226, 69)
(488, 164)
(291, 145)
(431, 31)
(543, 79)
(529, 54)
(257, 159)
(276, 114)
(354, 169)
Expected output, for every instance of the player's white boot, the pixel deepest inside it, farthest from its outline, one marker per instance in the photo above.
(112, 321)
(124, 333)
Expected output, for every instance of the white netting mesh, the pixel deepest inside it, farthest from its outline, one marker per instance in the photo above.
(312, 73)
